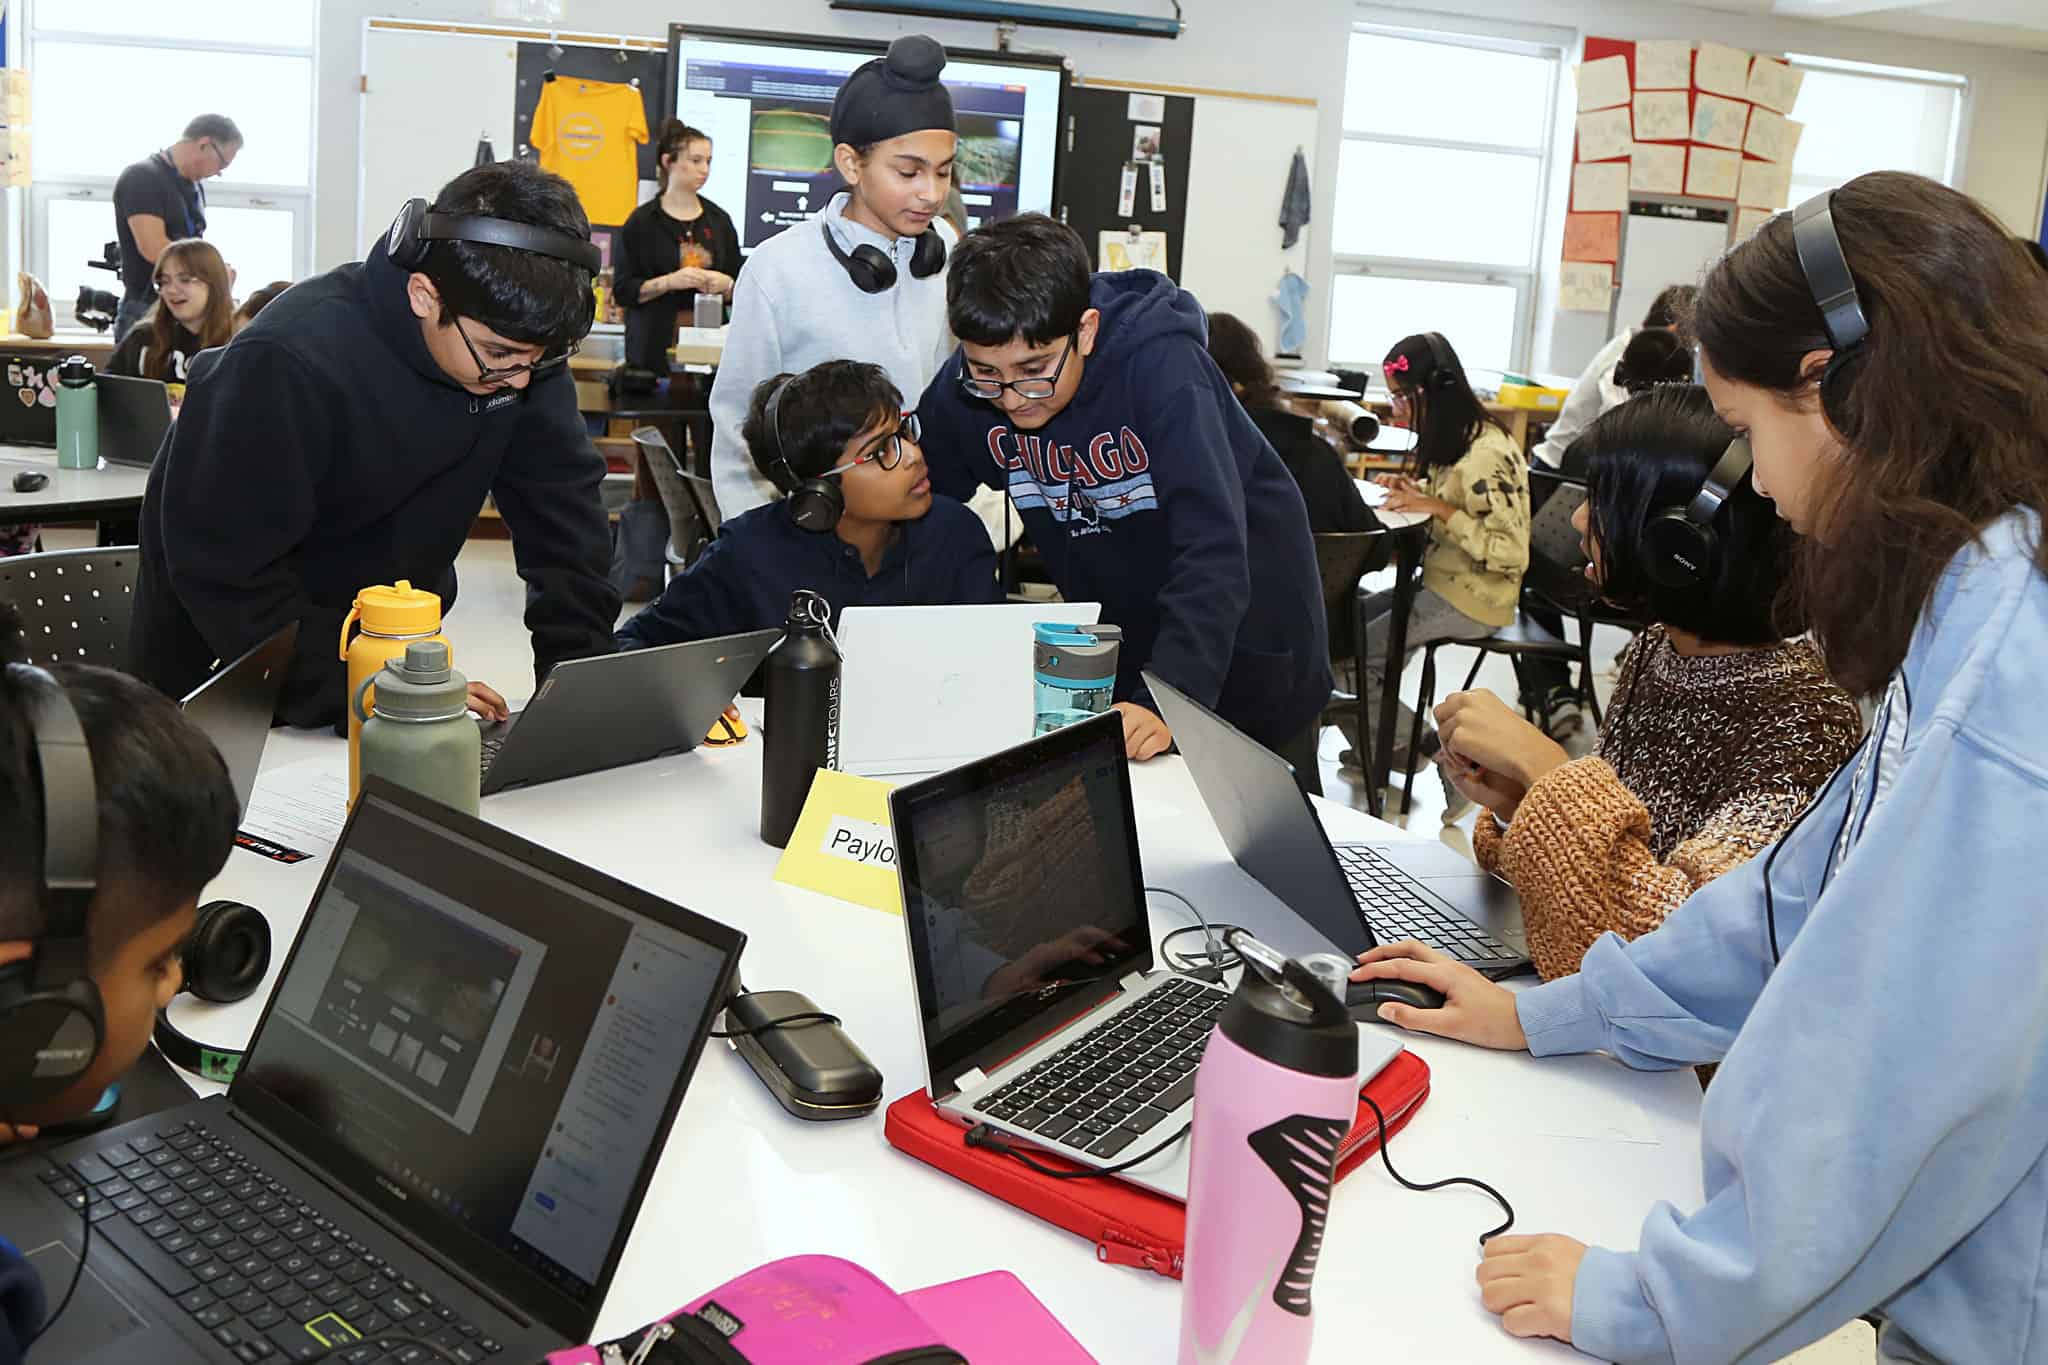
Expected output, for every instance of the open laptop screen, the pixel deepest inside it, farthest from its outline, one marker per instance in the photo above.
(1022, 892)
(489, 1041)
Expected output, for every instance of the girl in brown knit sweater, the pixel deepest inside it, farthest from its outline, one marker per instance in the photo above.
(1720, 729)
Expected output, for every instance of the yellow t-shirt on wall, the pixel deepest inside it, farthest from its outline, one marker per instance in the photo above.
(587, 132)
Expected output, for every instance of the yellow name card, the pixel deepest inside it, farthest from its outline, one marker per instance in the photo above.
(843, 846)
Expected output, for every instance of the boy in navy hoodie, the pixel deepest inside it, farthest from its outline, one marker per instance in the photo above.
(1094, 403)
(166, 822)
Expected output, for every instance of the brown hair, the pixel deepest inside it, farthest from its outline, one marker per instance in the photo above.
(215, 329)
(676, 137)
(1941, 412)
(1235, 349)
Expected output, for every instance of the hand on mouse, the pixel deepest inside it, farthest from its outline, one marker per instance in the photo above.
(485, 701)
(1145, 734)
(1529, 1281)
(1475, 1010)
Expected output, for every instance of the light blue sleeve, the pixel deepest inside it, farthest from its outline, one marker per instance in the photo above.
(1889, 1089)
(753, 352)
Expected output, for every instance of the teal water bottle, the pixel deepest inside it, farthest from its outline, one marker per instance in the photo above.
(1073, 673)
(78, 415)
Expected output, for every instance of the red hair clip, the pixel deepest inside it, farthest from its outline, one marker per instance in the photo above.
(1398, 365)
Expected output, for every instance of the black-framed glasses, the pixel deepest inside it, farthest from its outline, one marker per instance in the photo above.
(485, 374)
(1029, 389)
(887, 451)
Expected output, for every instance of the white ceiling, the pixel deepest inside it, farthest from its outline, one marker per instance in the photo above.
(2003, 23)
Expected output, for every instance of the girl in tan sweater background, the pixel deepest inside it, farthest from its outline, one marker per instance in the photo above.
(1720, 729)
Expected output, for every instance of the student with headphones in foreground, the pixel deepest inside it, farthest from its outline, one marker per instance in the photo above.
(350, 434)
(1721, 728)
(863, 279)
(117, 811)
(857, 522)
(1467, 474)
(1876, 1140)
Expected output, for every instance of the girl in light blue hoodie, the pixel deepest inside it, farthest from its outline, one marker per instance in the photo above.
(1873, 985)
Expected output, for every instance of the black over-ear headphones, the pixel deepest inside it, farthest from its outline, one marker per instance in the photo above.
(1826, 268)
(225, 960)
(418, 227)
(814, 504)
(52, 1021)
(1443, 367)
(1681, 539)
(870, 268)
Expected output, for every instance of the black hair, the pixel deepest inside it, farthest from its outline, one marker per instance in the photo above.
(1653, 356)
(1025, 276)
(521, 295)
(2037, 251)
(260, 299)
(818, 412)
(167, 809)
(675, 139)
(1652, 453)
(1672, 303)
(219, 127)
(1235, 349)
(1448, 415)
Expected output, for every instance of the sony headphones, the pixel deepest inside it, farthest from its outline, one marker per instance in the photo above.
(52, 1021)
(418, 227)
(814, 504)
(1443, 366)
(1681, 539)
(1826, 269)
(870, 268)
(225, 960)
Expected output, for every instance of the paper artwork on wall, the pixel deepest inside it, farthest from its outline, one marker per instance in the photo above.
(1585, 287)
(1657, 168)
(1605, 134)
(1602, 187)
(1713, 174)
(1663, 65)
(1603, 83)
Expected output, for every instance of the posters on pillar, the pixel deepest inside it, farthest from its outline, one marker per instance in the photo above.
(1663, 65)
(1585, 287)
(1603, 83)
(1711, 173)
(1657, 168)
(1720, 70)
(1774, 85)
(1601, 187)
(1718, 122)
(1766, 185)
(1662, 116)
(1772, 136)
(1605, 134)
(1592, 237)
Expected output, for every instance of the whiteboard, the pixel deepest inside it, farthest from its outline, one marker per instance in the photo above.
(411, 139)
(1659, 251)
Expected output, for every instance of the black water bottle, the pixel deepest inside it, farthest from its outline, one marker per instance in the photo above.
(802, 716)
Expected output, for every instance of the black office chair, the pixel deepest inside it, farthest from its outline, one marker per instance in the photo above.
(75, 605)
(692, 511)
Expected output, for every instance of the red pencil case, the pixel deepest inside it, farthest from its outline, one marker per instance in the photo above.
(1129, 1225)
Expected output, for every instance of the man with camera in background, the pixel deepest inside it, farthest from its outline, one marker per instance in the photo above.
(158, 200)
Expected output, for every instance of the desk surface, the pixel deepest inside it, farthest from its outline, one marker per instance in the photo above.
(112, 490)
(1580, 1145)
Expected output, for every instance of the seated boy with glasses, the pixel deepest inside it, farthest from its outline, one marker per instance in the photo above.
(1092, 400)
(351, 434)
(856, 523)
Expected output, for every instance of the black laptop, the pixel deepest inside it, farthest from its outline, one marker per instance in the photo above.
(28, 410)
(445, 1125)
(1355, 895)
(614, 709)
(135, 416)
(236, 705)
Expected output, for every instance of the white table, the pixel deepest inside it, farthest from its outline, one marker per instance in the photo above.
(742, 1182)
(111, 492)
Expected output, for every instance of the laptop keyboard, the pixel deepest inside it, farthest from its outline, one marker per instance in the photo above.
(268, 1274)
(1120, 1079)
(491, 745)
(1399, 911)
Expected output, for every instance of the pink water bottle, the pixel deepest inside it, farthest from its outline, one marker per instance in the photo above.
(1275, 1095)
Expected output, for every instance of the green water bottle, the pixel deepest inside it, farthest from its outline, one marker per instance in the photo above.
(78, 415)
(420, 734)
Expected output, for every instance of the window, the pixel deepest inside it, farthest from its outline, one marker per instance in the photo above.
(1863, 118)
(118, 79)
(1439, 200)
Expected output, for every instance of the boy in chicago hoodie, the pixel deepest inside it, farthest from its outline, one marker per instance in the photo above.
(1093, 402)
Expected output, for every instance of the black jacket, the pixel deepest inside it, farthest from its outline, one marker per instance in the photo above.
(327, 451)
(650, 243)
(1334, 503)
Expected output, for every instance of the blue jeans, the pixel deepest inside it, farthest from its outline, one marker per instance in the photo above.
(131, 312)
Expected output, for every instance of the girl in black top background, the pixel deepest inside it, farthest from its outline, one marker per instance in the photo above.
(673, 247)
(1334, 502)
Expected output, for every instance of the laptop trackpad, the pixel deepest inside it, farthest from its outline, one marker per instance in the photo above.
(97, 1317)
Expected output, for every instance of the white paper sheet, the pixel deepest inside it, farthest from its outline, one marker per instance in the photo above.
(1147, 108)
(1719, 122)
(1603, 84)
(1772, 136)
(1774, 85)
(1657, 168)
(1713, 174)
(1605, 134)
(1601, 187)
(1722, 70)
(1765, 185)
(1663, 116)
(1663, 65)
(1585, 287)
(1747, 221)
(301, 805)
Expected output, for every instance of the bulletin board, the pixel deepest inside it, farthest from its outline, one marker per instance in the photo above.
(1105, 142)
(618, 65)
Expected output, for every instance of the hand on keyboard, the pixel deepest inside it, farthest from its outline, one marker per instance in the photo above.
(1475, 1010)
(485, 701)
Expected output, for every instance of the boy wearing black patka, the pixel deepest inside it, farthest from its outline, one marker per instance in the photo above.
(1142, 482)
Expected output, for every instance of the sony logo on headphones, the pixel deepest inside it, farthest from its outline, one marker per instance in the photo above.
(63, 1054)
(1687, 563)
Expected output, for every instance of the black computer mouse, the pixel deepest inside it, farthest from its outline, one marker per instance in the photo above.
(31, 481)
(1364, 998)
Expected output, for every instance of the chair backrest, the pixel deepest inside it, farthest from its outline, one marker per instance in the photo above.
(1551, 535)
(75, 605)
(1340, 558)
(705, 500)
(689, 529)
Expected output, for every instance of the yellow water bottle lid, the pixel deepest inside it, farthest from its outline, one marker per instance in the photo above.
(399, 609)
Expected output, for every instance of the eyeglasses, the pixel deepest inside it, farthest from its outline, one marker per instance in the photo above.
(1031, 389)
(223, 158)
(485, 374)
(886, 452)
(184, 281)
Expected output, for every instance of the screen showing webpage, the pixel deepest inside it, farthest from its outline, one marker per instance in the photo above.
(767, 109)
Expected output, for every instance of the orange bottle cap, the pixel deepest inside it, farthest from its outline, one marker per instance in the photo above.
(399, 609)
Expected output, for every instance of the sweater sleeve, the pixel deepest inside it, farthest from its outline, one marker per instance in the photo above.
(1578, 854)
(707, 600)
(635, 264)
(753, 352)
(952, 466)
(1490, 502)
(725, 252)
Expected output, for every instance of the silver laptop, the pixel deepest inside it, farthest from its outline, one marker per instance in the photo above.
(134, 415)
(1355, 895)
(615, 709)
(930, 688)
(1042, 1016)
(235, 707)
